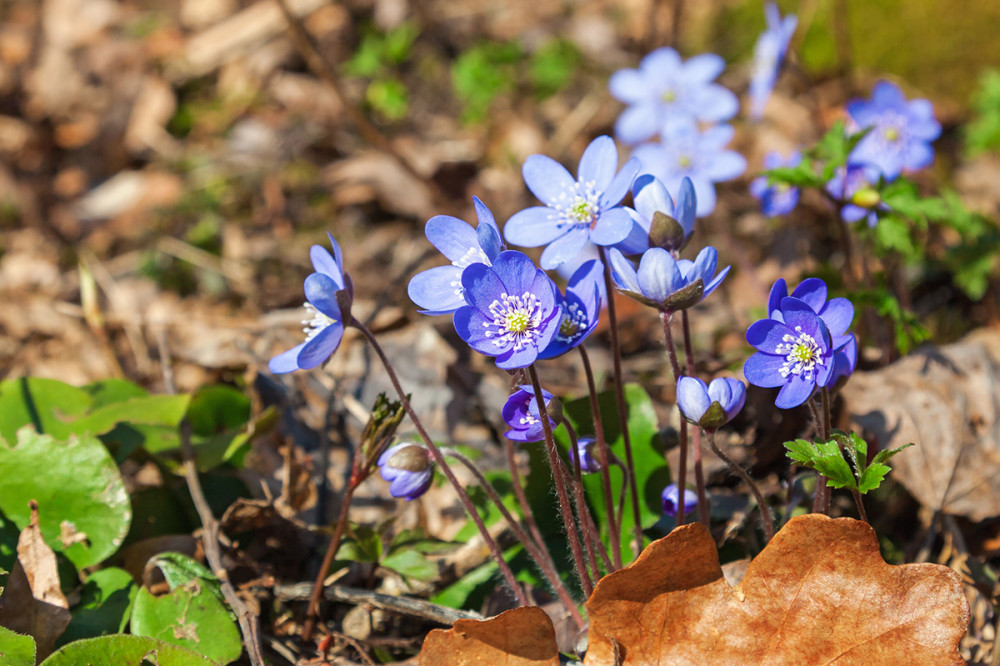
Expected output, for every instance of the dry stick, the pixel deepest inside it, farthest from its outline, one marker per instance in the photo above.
(309, 50)
(564, 504)
(765, 513)
(616, 355)
(248, 620)
(676, 369)
(699, 472)
(591, 537)
(470, 508)
(534, 548)
(614, 524)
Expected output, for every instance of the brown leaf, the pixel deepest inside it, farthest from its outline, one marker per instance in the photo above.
(818, 593)
(519, 637)
(946, 400)
(32, 602)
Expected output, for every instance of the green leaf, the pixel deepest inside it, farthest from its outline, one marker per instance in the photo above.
(797, 176)
(411, 564)
(190, 616)
(122, 650)
(16, 649)
(179, 569)
(104, 607)
(163, 410)
(83, 505)
(825, 458)
(363, 544)
(216, 409)
(872, 477)
(883, 456)
(482, 73)
(46, 403)
(107, 391)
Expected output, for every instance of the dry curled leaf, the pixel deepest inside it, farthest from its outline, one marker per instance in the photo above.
(946, 400)
(519, 637)
(819, 593)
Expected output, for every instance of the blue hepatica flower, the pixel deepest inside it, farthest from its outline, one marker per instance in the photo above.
(768, 54)
(671, 500)
(520, 412)
(901, 130)
(579, 309)
(836, 313)
(409, 470)
(328, 291)
(586, 450)
(665, 87)
(511, 312)
(650, 196)
(854, 185)
(439, 290)
(710, 405)
(575, 210)
(794, 352)
(687, 152)
(665, 283)
(779, 199)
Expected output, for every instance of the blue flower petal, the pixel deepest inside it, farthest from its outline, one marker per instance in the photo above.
(765, 335)
(324, 263)
(287, 361)
(813, 292)
(564, 248)
(624, 273)
(451, 236)
(599, 163)
(779, 290)
(692, 397)
(659, 275)
(437, 289)
(482, 285)
(838, 315)
(619, 186)
(321, 292)
(546, 178)
(628, 85)
(314, 352)
(703, 68)
(533, 227)
(469, 324)
(638, 123)
(764, 370)
(794, 393)
(613, 226)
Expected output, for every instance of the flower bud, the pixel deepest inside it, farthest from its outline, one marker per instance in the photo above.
(408, 468)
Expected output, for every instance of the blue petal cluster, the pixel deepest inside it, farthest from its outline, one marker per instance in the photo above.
(650, 196)
(409, 470)
(579, 309)
(768, 54)
(328, 292)
(576, 210)
(901, 131)
(710, 406)
(511, 312)
(664, 87)
(665, 283)
(794, 351)
(852, 184)
(685, 151)
(439, 290)
(781, 198)
(520, 412)
(672, 501)
(836, 313)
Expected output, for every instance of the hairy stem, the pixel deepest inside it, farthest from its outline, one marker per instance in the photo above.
(535, 549)
(765, 513)
(614, 524)
(591, 537)
(616, 355)
(564, 504)
(675, 367)
(699, 472)
(463, 496)
(312, 610)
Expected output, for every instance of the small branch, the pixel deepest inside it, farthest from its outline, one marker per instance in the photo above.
(248, 620)
(312, 611)
(396, 604)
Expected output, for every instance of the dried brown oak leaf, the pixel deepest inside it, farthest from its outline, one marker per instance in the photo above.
(819, 593)
(519, 637)
(946, 400)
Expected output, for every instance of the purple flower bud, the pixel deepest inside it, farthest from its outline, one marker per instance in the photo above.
(710, 406)
(590, 461)
(671, 500)
(408, 468)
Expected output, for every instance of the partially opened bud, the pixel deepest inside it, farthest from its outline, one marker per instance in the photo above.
(408, 468)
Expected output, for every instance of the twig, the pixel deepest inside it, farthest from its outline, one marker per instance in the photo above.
(247, 618)
(395, 604)
(765, 513)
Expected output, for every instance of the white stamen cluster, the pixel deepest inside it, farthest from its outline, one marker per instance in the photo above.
(573, 320)
(474, 255)
(577, 205)
(528, 419)
(802, 354)
(316, 323)
(515, 320)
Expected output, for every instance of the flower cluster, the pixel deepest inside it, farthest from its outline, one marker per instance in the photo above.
(521, 414)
